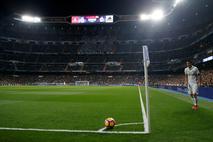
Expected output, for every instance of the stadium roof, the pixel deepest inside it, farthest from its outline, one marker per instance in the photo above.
(63, 7)
(190, 12)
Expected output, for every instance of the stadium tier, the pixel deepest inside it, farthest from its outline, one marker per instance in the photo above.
(99, 48)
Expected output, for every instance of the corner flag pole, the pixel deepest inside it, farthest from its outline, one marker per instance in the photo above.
(146, 62)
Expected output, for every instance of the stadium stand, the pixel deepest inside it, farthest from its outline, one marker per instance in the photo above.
(154, 80)
(57, 52)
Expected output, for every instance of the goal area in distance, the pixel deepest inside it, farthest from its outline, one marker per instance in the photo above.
(81, 83)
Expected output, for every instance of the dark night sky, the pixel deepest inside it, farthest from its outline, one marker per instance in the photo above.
(75, 7)
(193, 10)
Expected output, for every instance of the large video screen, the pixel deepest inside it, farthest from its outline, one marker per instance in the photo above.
(91, 19)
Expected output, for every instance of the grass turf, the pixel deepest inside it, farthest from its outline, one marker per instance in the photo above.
(172, 118)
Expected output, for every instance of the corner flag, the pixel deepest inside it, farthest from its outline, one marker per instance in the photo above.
(146, 62)
(146, 56)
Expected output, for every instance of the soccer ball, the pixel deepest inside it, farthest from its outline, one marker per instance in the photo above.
(109, 123)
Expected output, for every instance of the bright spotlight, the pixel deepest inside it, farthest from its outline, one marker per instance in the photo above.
(145, 17)
(177, 2)
(30, 19)
(157, 15)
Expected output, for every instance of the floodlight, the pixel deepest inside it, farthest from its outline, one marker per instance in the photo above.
(157, 15)
(30, 19)
(145, 17)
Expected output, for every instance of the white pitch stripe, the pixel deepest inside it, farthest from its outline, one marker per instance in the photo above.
(102, 129)
(122, 124)
(143, 112)
(73, 131)
(123, 132)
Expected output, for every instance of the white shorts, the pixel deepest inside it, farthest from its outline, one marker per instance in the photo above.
(193, 88)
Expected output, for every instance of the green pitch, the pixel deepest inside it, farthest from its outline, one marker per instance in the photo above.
(86, 108)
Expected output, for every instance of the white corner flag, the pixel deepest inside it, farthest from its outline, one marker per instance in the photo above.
(146, 62)
(146, 55)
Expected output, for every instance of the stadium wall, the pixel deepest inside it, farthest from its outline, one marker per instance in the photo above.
(206, 92)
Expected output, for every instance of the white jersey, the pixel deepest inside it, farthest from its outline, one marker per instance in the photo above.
(192, 74)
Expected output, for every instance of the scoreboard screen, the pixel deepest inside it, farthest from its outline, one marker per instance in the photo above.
(92, 19)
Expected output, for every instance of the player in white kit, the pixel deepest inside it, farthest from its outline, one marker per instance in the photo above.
(191, 80)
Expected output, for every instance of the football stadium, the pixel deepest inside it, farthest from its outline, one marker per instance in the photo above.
(100, 71)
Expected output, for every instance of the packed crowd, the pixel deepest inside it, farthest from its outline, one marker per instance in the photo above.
(206, 79)
(68, 79)
(154, 80)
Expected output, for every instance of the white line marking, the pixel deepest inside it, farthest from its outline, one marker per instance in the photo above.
(122, 124)
(102, 129)
(143, 112)
(73, 131)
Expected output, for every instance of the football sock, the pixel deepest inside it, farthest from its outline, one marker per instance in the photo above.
(195, 102)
